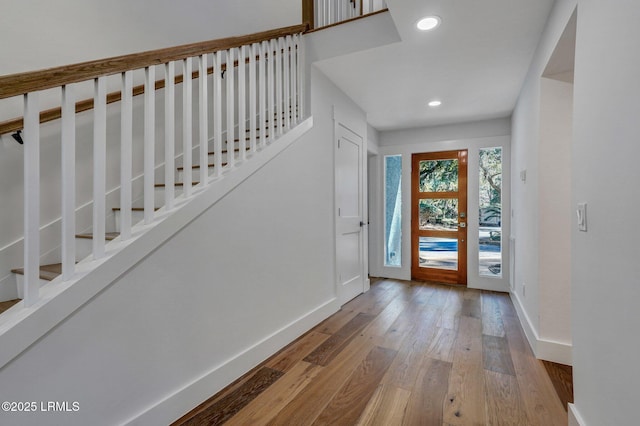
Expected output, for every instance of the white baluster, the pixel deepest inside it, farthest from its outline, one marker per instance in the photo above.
(187, 129)
(327, 12)
(333, 13)
(253, 97)
(231, 116)
(262, 76)
(126, 156)
(242, 103)
(294, 79)
(287, 82)
(204, 123)
(31, 198)
(217, 114)
(99, 165)
(169, 134)
(271, 89)
(68, 183)
(279, 101)
(149, 142)
(302, 84)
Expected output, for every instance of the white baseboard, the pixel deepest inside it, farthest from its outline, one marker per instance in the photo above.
(498, 285)
(575, 419)
(548, 350)
(188, 397)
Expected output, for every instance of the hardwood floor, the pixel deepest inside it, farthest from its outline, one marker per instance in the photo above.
(404, 353)
(562, 378)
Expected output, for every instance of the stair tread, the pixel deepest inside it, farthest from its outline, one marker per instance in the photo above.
(198, 166)
(47, 272)
(7, 304)
(162, 185)
(134, 209)
(224, 151)
(107, 236)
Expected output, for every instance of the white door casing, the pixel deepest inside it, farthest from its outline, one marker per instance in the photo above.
(349, 204)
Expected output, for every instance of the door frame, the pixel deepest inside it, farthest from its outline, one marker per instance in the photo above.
(458, 276)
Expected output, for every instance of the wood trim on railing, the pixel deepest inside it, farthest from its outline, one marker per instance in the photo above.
(308, 13)
(53, 114)
(19, 84)
(312, 30)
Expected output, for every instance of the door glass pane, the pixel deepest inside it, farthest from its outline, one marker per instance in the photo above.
(440, 253)
(438, 176)
(490, 215)
(438, 214)
(393, 210)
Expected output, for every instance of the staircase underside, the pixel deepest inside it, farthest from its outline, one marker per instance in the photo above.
(59, 299)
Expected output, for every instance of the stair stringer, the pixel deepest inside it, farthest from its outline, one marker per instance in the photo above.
(21, 327)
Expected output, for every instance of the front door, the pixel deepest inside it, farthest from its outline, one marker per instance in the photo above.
(349, 213)
(439, 217)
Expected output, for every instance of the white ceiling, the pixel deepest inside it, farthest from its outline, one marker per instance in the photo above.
(475, 62)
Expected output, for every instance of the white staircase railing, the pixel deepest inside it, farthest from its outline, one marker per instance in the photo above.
(263, 98)
(329, 12)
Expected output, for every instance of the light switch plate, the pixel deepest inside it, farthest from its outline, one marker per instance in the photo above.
(581, 212)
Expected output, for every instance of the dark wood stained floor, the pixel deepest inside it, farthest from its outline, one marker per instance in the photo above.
(404, 353)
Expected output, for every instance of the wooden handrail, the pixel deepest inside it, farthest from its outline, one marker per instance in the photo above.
(52, 114)
(19, 84)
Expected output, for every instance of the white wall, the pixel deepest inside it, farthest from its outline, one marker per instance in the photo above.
(555, 212)
(530, 154)
(252, 269)
(471, 136)
(605, 267)
(39, 34)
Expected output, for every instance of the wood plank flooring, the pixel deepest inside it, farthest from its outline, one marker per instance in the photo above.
(404, 353)
(562, 378)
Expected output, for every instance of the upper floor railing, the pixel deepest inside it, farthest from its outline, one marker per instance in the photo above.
(323, 13)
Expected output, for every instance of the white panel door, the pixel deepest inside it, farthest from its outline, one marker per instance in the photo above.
(349, 219)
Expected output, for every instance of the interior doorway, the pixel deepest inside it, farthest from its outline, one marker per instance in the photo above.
(349, 198)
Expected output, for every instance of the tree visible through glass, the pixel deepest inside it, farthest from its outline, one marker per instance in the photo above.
(438, 176)
(490, 214)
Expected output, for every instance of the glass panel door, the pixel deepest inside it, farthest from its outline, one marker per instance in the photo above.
(490, 214)
(439, 204)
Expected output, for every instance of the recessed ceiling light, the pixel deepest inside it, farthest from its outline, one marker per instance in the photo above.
(428, 23)
(434, 104)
